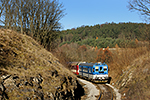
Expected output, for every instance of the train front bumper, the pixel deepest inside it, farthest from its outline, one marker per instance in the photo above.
(100, 78)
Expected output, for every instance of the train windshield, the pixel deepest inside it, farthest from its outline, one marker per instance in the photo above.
(101, 68)
(96, 68)
(105, 68)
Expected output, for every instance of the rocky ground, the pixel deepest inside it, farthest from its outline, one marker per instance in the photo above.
(91, 91)
(28, 71)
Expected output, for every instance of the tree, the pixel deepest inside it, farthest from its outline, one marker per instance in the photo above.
(100, 56)
(142, 6)
(37, 18)
(104, 55)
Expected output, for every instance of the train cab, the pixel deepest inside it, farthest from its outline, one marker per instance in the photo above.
(94, 71)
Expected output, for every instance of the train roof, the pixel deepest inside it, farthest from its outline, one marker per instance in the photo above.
(86, 64)
(91, 64)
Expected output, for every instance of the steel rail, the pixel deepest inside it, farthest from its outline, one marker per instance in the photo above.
(102, 93)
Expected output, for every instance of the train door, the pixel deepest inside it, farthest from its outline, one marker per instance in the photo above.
(81, 71)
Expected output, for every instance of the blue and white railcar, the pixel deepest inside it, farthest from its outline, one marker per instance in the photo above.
(96, 72)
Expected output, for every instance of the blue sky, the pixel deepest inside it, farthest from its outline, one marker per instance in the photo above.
(92, 12)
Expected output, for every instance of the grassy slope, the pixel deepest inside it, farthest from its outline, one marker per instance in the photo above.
(23, 56)
(131, 74)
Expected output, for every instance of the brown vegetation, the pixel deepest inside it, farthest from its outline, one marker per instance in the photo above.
(104, 55)
(36, 18)
(128, 67)
(27, 70)
(130, 72)
(74, 53)
(124, 57)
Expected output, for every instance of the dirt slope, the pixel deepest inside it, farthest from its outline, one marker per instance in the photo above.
(28, 71)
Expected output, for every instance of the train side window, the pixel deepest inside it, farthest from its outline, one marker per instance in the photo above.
(85, 69)
(90, 70)
(73, 67)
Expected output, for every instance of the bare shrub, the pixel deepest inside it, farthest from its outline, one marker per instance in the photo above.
(83, 48)
(124, 57)
(75, 53)
(104, 55)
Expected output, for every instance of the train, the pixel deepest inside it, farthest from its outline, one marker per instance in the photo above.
(95, 72)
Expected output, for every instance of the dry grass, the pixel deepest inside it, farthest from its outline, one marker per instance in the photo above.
(75, 53)
(124, 57)
(130, 72)
(23, 56)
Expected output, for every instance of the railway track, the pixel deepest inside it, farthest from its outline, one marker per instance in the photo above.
(106, 93)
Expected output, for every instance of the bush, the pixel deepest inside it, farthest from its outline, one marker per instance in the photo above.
(104, 55)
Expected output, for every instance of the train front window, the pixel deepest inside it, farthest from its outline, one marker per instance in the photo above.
(105, 68)
(96, 68)
(101, 68)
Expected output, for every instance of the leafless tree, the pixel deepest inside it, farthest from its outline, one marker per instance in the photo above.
(37, 18)
(32, 14)
(142, 6)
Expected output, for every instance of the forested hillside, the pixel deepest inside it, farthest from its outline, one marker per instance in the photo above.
(108, 34)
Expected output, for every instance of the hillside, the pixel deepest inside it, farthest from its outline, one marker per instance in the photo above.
(108, 34)
(28, 71)
(129, 68)
(134, 81)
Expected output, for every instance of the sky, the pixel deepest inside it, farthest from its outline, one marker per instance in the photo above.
(93, 12)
